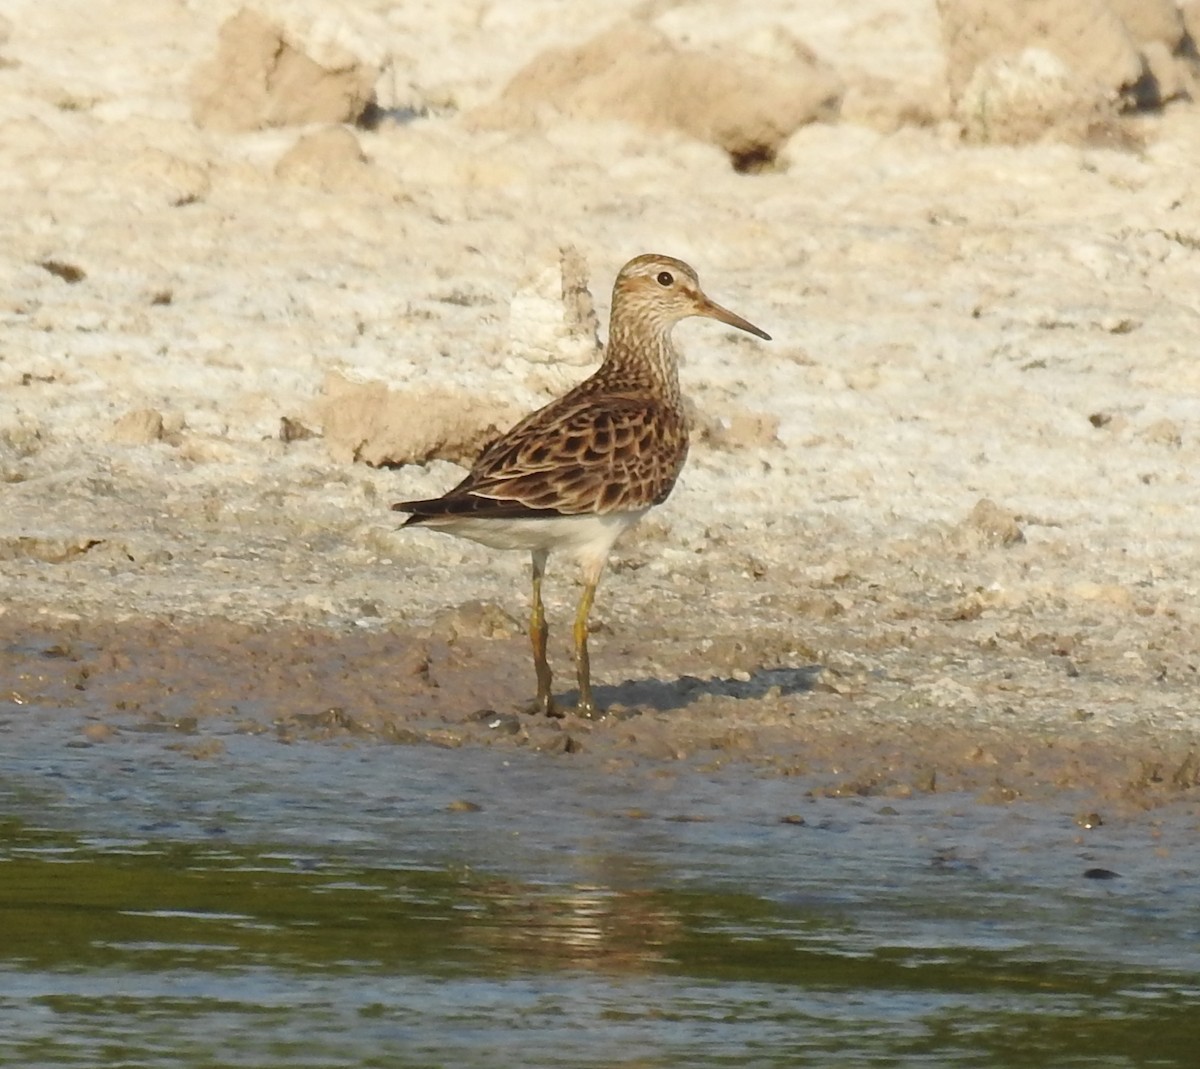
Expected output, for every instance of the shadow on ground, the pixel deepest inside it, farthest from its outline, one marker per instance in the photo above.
(664, 695)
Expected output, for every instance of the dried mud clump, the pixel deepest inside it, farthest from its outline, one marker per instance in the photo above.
(139, 427)
(747, 105)
(50, 548)
(330, 159)
(370, 422)
(988, 525)
(263, 75)
(1067, 68)
(552, 317)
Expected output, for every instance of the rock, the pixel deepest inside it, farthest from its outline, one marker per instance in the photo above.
(552, 317)
(1018, 70)
(990, 525)
(579, 309)
(1189, 16)
(294, 430)
(68, 272)
(1168, 77)
(1087, 36)
(371, 422)
(500, 723)
(139, 427)
(330, 159)
(1017, 99)
(474, 619)
(748, 105)
(20, 440)
(462, 805)
(1151, 20)
(1163, 432)
(1102, 419)
(265, 74)
(1100, 874)
(50, 549)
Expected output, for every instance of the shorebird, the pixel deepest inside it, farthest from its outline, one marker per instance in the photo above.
(574, 475)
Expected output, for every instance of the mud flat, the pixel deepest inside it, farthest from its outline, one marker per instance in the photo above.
(939, 534)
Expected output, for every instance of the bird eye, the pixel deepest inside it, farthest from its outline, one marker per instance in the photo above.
(665, 278)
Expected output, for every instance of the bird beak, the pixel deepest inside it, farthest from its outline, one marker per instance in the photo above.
(715, 311)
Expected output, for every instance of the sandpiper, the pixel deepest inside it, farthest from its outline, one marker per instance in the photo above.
(575, 474)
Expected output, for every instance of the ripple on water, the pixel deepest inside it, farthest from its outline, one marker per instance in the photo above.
(322, 904)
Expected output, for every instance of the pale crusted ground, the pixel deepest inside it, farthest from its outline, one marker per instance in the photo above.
(951, 324)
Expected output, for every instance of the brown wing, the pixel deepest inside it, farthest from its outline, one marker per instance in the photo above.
(598, 454)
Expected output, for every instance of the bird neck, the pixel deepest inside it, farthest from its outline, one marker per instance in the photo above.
(642, 358)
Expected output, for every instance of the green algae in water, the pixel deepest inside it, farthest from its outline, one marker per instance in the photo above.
(166, 954)
(325, 905)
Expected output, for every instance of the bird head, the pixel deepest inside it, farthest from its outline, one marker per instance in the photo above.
(659, 291)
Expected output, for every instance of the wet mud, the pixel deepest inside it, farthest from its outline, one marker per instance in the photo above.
(442, 687)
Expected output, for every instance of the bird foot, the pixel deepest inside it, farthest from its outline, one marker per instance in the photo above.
(589, 711)
(543, 706)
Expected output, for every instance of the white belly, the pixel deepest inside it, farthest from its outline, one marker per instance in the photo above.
(588, 537)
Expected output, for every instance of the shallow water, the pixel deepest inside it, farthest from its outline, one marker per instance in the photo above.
(319, 904)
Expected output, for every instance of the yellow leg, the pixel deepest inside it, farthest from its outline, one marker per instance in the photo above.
(538, 633)
(583, 666)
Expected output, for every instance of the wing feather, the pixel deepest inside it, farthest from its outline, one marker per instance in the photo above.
(578, 455)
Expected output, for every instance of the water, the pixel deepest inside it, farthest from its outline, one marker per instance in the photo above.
(318, 904)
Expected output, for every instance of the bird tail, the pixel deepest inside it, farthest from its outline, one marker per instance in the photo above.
(454, 505)
(421, 511)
